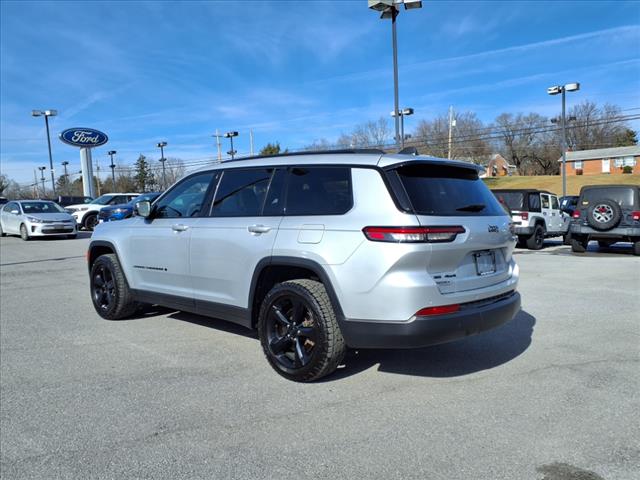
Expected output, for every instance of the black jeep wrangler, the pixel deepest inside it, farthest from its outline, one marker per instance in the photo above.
(608, 214)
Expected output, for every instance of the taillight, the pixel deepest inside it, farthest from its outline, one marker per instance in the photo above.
(525, 215)
(412, 234)
(576, 214)
(441, 310)
(635, 215)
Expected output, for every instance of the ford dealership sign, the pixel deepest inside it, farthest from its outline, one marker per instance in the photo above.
(84, 137)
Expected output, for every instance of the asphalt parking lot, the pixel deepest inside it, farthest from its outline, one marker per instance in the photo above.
(554, 394)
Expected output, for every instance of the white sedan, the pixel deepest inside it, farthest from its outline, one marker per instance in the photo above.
(36, 218)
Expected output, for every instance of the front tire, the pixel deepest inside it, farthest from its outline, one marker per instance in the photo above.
(110, 291)
(299, 332)
(90, 221)
(24, 233)
(536, 240)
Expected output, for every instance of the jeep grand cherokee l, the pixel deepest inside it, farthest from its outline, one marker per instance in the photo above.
(318, 252)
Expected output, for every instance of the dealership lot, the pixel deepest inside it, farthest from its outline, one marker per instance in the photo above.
(553, 394)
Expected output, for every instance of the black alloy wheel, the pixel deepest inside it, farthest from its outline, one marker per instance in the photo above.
(536, 240)
(91, 222)
(110, 292)
(103, 287)
(299, 331)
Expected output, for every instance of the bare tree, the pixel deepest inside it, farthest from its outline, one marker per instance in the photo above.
(319, 144)
(368, 134)
(520, 139)
(594, 127)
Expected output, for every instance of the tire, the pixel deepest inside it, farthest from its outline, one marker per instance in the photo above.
(522, 241)
(636, 248)
(90, 221)
(299, 332)
(566, 238)
(110, 293)
(24, 234)
(579, 245)
(604, 215)
(605, 243)
(536, 240)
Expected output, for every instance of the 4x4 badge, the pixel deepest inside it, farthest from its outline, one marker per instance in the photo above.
(493, 229)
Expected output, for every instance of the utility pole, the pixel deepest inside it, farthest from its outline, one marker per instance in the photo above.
(98, 177)
(44, 192)
(161, 146)
(66, 177)
(452, 123)
(218, 137)
(35, 184)
(251, 142)
(112, 166)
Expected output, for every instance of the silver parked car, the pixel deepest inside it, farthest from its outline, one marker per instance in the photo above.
(318, 252)
(36, 218)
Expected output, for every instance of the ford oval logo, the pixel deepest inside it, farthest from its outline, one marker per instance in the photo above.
(83, 137)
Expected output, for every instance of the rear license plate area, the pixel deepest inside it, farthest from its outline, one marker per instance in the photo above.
(485, 262)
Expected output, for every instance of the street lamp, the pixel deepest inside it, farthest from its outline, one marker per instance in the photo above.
(66, 177)
(42, 169)
(112, 166)
(47, 114)
(555, 90)
(161, 146)
(402, 113)
(230, 136)
(389, 9)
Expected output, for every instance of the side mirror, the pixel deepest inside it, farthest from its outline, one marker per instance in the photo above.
(15, 212)
(143, 209)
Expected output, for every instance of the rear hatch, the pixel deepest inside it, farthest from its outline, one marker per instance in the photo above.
(450, 195)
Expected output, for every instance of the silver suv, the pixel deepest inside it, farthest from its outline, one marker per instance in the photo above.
(318, 252)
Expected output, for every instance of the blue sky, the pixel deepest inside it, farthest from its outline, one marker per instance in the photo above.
(290, 71)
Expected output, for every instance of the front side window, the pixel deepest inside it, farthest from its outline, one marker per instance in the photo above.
(554, 203)
(241, 192)
(319, 191)
(185, 199)
(11, 206)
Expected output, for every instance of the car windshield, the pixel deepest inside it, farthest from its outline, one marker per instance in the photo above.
(447, 191)
(145, 196)
(103, 200)
(41, 207)
(621, 195)
(514, 200)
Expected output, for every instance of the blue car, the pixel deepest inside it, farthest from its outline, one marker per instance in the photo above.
(125, 210)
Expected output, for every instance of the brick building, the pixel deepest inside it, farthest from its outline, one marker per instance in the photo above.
(603, 161)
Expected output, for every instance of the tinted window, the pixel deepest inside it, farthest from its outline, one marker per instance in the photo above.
(623, 196)
(185, 199)
(274, 205)
(447, 191)
(11, 206)
(534, 202)
(241, 192)
(545, 201)
(514, 200)
(554, 203)
(319, 191)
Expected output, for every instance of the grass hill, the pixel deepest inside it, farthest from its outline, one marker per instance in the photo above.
(553, 183)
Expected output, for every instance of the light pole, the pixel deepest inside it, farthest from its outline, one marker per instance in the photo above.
(389, 9)
(47, 114)
(112, 166)
(42, 169)
(555, 90)
(217, 136)
(66, 177)
(230, 136)
(161, 146)
(405, 112)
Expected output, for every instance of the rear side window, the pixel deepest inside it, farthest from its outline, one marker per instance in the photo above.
(447, 191)
(319, 191)
(241, 192)
(534, 202)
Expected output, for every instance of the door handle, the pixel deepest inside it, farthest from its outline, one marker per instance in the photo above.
(259, 229)
(179, 227)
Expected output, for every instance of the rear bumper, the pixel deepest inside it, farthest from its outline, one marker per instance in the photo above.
(524, 230)
(627, 232)
(472, 318)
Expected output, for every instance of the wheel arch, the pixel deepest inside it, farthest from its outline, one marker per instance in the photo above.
(98, 248)
(273, 270)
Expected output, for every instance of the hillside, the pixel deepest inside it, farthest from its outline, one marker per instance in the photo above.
(553, 183)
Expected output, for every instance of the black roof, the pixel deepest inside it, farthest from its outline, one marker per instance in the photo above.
(523, 190)
(587, 187)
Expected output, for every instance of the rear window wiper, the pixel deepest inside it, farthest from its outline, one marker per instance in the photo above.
(474, 207)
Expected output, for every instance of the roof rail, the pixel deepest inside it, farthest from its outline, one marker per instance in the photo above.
(313, 152)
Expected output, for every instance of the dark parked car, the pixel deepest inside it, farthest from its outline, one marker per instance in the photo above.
(124, 210)
(66, 200)
(569, 203)
(608, 214)
(3, 200)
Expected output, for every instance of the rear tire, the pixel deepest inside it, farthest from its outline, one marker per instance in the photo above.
(536, 240)
(24, 233)
(299, 332)
(90, 221)
(579, 245)
(110, 293)
(566, 238)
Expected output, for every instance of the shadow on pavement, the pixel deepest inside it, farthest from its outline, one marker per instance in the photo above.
(593, 250)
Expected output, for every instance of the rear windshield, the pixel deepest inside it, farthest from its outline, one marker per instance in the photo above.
(447, 191)
(625, 197)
